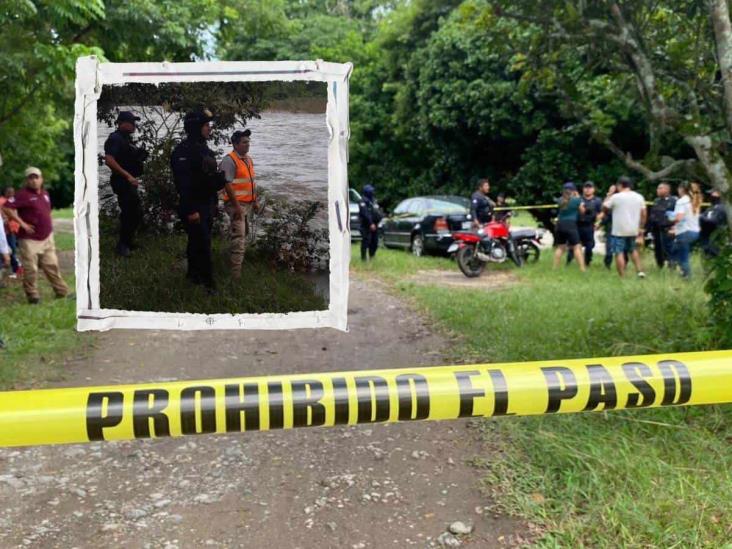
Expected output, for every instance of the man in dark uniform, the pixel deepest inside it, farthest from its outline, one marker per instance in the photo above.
(712, 219)
(481, 207)
(659, 223)
(126, 162)
(369, 215)
(198, 181)
(587, 220)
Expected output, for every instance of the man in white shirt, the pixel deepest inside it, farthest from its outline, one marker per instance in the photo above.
(628, 209)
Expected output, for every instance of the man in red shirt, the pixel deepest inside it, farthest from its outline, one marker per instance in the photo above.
(31, 208)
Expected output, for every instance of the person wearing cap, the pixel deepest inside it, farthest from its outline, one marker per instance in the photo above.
(31, 209)
(659, 223)
(126, 162)
(481, 206)
(566, 235)
(369, 215)
(629, 218)
(586, 221)
(198, 182)
(240, 196)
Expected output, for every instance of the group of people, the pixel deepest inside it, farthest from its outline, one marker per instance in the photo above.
(199, 181)
(675, 224)
(26, 230)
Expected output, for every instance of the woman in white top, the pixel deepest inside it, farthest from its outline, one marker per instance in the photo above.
(686, 224)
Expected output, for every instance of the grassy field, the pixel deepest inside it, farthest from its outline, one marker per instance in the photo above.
(153, 279)
(37, 337)
(651, 478)
(63, 213)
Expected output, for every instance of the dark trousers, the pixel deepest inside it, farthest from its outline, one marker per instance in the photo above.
(13, 244)
(587, 239)
(369, 241)
(130, 212)
(662, 246)
(198, 250)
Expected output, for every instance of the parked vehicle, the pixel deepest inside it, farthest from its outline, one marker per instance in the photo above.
(353, 199)
(426, 223)
(494, 243)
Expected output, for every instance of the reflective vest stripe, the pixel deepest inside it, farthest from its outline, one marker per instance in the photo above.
(243, 182)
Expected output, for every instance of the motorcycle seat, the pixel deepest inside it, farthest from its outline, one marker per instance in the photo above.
(523, 233)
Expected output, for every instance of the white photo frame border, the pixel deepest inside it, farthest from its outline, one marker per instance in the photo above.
(91, 75)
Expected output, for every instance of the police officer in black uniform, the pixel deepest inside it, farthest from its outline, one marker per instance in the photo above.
(481, 207)
(197, 181)
(126, 162)
(710, 221)
(659, 223)
(586, 221)
(369, 215)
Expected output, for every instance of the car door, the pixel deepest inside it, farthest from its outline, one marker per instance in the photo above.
(392, 236)
(410, 220)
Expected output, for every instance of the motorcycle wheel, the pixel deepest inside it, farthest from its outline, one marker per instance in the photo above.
(529, 252)
(468, 262)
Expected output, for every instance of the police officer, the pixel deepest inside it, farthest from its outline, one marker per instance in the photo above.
(126, 162)
(586, 221)
(659, 223)
(481, 207)
(712, 219)
(369, 215)
(197, 181)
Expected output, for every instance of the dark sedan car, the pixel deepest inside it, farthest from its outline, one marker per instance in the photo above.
(425, 223)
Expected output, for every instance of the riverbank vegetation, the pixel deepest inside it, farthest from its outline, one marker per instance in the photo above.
(647, 478)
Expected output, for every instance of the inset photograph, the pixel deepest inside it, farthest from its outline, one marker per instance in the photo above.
(213, 197)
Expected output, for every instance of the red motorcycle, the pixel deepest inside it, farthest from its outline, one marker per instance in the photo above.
(494, 243)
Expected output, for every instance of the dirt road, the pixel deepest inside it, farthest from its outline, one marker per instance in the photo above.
(353, 487)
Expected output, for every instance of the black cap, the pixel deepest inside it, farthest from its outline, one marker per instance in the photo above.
(569, 186)
(238, 134)
(126, 116)
(588, 184)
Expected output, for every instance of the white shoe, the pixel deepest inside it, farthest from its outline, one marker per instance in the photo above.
(641, 274)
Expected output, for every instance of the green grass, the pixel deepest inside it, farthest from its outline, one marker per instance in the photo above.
(63, 213)
(646, 478)
(37, 337)
(64, 241)
(153, 279)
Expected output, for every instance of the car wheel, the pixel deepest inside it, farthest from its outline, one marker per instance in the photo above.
(417, 245)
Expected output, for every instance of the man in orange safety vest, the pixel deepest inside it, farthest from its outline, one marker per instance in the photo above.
(240, 196)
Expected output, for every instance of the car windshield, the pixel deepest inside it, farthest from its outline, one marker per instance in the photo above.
(448, 206)
(353, 195)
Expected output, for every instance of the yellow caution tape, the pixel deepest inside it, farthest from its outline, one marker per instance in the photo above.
(553, 206)
(57, 416)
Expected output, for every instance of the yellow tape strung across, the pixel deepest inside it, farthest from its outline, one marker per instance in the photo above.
(554, 206)
(56, 416)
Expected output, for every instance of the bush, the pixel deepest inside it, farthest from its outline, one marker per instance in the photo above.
(291, 238)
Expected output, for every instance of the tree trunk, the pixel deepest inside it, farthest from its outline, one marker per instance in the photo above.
(712, 161)
(719, 13)
(715, 167)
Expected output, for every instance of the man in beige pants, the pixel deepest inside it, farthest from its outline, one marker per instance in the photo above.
(240, 196)
(31, 208)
